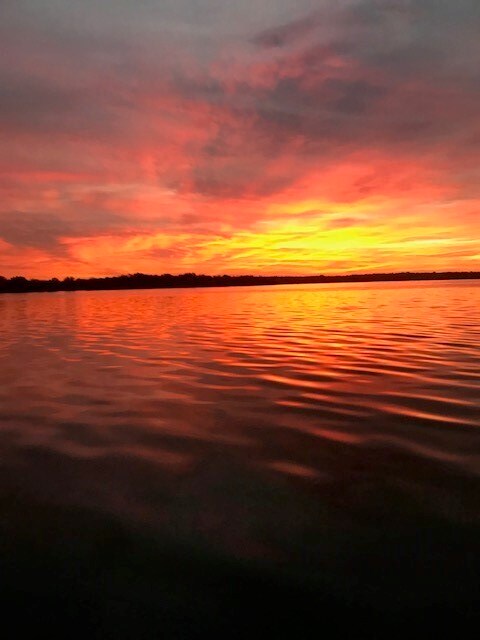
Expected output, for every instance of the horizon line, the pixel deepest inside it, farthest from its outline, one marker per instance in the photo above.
(20, 284)
(240, 275)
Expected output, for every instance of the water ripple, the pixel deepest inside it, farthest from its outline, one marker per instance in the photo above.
(316, 384)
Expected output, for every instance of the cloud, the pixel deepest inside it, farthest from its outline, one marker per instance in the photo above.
(45, 230)
(288, 34)
(207, 118)
(33, 230)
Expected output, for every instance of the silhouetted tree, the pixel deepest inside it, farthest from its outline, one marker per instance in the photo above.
(144, 281)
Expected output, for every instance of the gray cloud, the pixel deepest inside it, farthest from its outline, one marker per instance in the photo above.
(43, 230)
(263, 93)
(32, 230)
(39, 106)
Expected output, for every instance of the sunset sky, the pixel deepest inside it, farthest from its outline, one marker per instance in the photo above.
(239, 136)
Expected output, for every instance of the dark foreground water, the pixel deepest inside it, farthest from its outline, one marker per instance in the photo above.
(292, 461)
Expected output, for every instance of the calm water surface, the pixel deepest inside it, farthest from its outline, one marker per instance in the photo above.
(327, 435)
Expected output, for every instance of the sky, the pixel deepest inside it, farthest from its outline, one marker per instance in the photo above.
(218, 136)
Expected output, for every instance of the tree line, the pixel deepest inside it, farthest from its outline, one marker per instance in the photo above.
(20, 284)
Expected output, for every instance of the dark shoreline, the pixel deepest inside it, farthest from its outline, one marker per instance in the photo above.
(19, 284)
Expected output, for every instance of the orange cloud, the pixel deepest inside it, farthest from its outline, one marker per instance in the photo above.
(335, 141)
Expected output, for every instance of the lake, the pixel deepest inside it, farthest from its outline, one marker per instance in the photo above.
(190, 462)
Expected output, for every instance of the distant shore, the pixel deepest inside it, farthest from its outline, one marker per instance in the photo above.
(19, 284)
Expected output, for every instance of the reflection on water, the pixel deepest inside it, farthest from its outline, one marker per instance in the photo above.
(313, 431)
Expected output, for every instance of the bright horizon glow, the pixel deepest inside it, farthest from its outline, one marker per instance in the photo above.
(309, 137)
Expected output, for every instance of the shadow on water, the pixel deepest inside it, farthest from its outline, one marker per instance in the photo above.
(191, 569)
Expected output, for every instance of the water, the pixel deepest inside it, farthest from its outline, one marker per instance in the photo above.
(179, 459)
